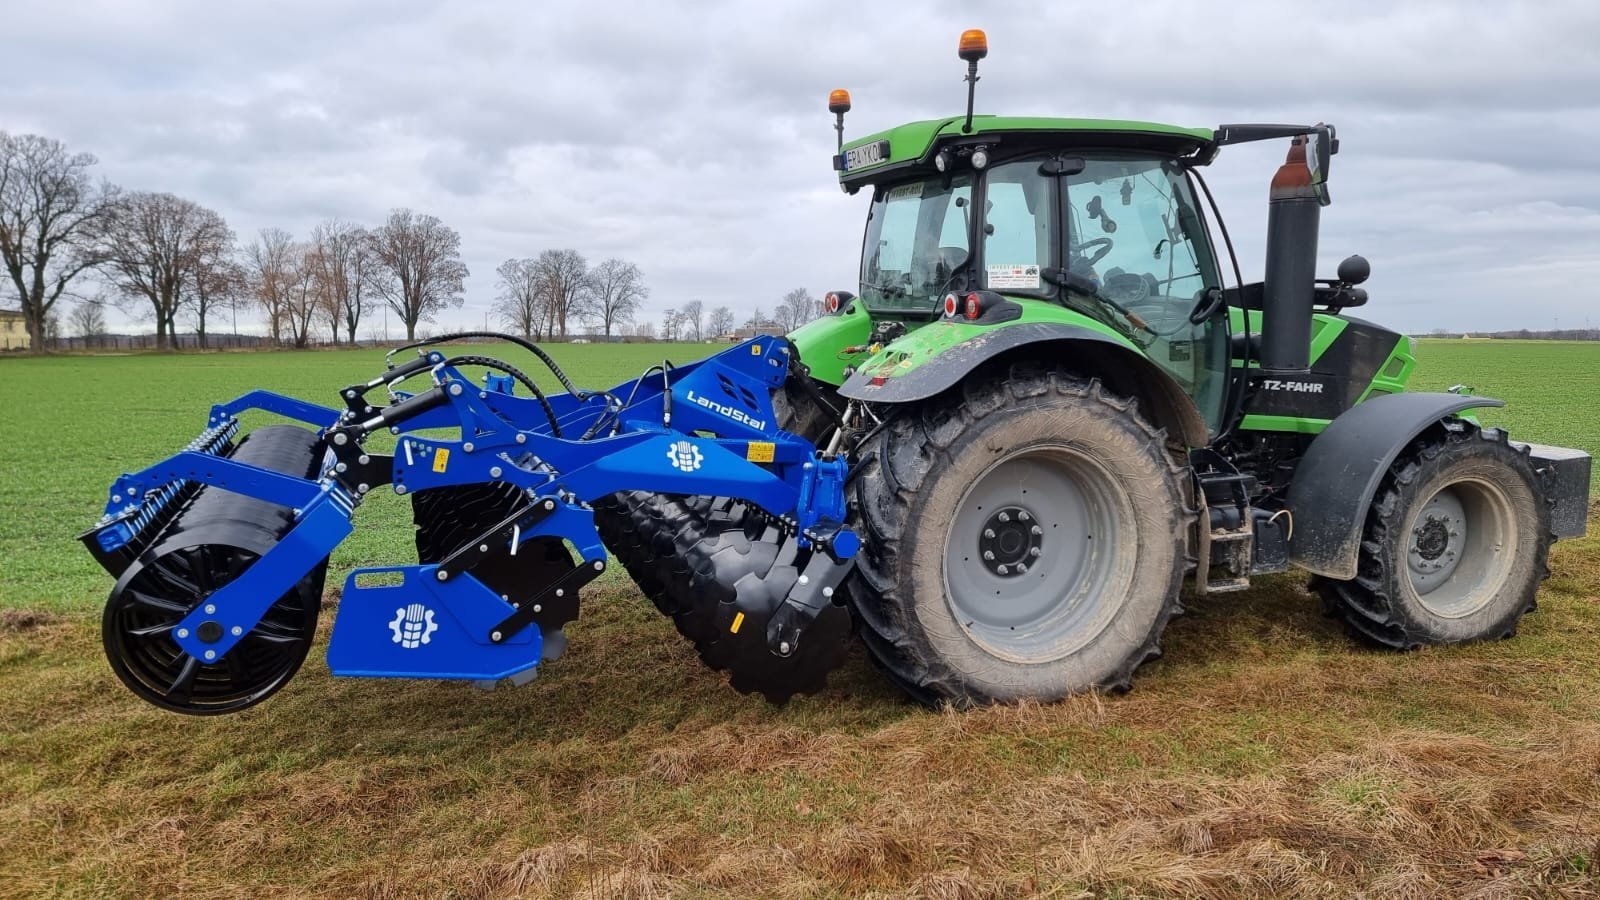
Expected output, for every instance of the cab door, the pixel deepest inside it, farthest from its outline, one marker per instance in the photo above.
(1133, 227)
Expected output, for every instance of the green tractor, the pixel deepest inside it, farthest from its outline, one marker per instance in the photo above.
(1059, 400)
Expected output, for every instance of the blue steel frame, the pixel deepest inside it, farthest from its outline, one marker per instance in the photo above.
(701, 428)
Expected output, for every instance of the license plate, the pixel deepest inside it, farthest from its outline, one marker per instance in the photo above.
(866, 155)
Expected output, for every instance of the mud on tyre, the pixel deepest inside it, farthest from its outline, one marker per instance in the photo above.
(1024, 538)
(1454, 545)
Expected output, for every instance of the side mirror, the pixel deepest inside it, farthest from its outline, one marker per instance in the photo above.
(1354, 270)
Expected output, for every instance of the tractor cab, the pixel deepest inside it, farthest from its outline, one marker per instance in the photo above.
(1066, 232)
(1077, 215)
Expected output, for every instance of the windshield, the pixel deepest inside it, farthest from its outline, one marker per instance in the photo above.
(916, 242)
(917, 245)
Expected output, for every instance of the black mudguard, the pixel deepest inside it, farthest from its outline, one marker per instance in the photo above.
(1339, 475)
(951, 366)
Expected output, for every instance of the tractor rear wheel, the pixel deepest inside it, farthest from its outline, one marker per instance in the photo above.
(1025, 539)
(1454, 546)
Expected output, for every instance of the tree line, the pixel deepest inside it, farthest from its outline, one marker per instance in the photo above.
(544, 296)
(169, 260)
(693, 322)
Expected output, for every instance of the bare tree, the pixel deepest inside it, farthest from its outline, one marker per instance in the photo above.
(522, 302)
(301, 301)
(795, 309)
(693, 313)
(420, 271)
(646, 330)
(152, 245)
(617, 288)
(565, 277)
(669, 324)
(344, 265)
(270, 264)
(721, 321)
(216, 284)
(757, 318)
(88, 317)
(49, 213)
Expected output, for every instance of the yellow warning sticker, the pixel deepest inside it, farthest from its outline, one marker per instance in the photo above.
(755, 349)
(441, 459)
(738, 620)
(760, 451)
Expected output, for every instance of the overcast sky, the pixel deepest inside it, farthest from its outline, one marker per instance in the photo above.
(695, 140)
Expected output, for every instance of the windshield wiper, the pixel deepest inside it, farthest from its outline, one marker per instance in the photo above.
(1082, 286)
(888, 290)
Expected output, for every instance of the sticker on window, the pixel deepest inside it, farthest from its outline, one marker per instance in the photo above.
(906, 190)
(1002, 277)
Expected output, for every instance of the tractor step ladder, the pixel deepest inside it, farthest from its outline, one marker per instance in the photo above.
(1227, 532)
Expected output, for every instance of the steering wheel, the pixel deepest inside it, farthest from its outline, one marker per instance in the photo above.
(1104, 244)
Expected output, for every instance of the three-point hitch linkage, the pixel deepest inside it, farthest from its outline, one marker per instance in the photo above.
(220, 550)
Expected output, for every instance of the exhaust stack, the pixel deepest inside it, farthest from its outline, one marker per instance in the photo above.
(1294, 214)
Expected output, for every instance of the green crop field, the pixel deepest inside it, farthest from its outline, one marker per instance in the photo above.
(89, 419)
(1265, 754)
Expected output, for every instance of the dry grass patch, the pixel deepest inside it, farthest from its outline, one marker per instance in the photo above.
(1266, 754)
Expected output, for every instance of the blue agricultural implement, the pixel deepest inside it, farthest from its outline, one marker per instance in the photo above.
(220, 551)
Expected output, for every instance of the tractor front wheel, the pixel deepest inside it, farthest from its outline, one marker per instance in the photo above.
(1025, 540)
(1454, 545)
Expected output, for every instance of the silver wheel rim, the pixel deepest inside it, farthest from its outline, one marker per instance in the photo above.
(1033, 566)
(1460, 548)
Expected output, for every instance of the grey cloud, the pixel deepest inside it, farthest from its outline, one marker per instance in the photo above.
(693, 138)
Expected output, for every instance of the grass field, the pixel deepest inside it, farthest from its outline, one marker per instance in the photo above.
(1265, 754)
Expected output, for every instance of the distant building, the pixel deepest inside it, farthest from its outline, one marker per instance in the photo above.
(13, 331)
(750, 331)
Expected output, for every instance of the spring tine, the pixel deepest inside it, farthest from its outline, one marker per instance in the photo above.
(184, 683)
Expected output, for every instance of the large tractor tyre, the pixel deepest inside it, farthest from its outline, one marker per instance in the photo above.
(1454, 547)
(1025, 538)
(797, 412)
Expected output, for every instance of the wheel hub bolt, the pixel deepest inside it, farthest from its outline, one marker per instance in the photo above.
(1022, 568)
(1008, 540)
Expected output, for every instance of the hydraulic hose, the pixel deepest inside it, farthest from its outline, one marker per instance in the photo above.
(489, 362)
(530, 346)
